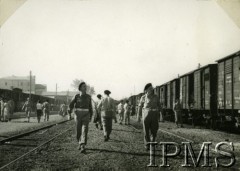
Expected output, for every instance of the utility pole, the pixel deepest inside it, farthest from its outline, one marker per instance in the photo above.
(30, 90)
(67, 95)
(134, 90)
(56, 94)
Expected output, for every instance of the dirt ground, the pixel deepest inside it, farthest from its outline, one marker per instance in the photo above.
(17, 126)
(124, 151)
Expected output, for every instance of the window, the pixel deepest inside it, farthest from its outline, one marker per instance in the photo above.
(5, 83)
(21, 84)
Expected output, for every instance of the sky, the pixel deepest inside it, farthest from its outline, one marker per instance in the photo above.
(118, 45)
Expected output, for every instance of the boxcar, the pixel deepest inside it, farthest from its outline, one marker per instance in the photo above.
(229, 89)
(205, 95)
(187, 95)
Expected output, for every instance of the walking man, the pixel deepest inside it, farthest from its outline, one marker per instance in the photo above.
(63, 109)
(149, 107)
(97, 117)
(120, 112)
(27, 108)
(127, 110)
(177, 110)
(46, 110)
(107, 107)
(39, 110)
(81, 105)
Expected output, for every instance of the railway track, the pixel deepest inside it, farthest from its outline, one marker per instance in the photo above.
(17, 137)
(14, 137)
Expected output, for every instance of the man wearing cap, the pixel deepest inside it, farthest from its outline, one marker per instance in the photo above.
(107, 107)
(149, 107)
(27, 108)
(120, 112)
(81, 106)
(97, 117)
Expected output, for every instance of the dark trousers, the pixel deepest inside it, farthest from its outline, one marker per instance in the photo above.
(150, 125)
(82, 122)
(107, 125)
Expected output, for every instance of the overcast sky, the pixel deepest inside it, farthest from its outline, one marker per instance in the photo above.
(114, 44)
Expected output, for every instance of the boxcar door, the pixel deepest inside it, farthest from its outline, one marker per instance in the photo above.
(236, 83)
(228, 84)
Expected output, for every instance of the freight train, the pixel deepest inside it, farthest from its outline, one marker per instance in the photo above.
(18, 97)
(210, 95)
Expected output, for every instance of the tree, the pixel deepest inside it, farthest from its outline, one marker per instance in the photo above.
(76, 82)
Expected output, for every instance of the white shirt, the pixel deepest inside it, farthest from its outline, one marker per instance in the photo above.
(39, 106)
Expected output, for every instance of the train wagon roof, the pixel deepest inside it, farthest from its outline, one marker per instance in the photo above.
(205, 66)
(229, 56)
(188, 73)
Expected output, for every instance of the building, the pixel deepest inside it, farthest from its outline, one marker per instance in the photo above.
(62, 95)
(19, 82)
(40, 89)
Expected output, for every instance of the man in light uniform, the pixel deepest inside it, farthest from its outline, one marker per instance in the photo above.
(149, 106)
(27, 108)
(120, 112)
(127, 110)
(97, 117)
(81, 106)
(107, 107)
(46, 110)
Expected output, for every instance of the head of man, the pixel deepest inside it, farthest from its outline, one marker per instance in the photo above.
(107, 92)
(99, 96)
(82, 87)
(148, 89)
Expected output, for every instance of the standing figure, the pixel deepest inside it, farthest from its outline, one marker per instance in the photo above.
(27, 108)
(178, 114)
(162, 113)
(107, 107)
(11, 108)
(127, 110)
(63, 109)
(39, 110)
(1, 108)
(6, 111)
(97, 118)
(46, 110)
(120, 112)
(81, 105)
(149, 107)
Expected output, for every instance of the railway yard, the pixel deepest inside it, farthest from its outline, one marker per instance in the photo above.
(55, 147)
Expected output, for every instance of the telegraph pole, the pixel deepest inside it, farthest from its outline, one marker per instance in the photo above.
(30, 89)
(56, 94)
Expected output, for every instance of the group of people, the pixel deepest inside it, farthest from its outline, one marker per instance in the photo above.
(105, 112)
(81, 106)
(124, 111)
(6, 109)
(41, 109)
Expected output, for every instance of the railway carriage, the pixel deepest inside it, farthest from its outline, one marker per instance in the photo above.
(186, 96)
(204, 107)
(229, 90)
